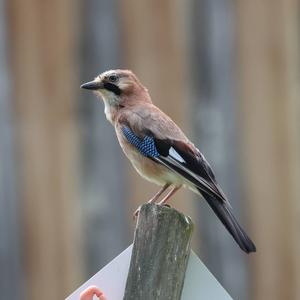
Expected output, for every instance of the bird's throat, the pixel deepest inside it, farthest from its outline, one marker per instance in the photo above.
(110, 109)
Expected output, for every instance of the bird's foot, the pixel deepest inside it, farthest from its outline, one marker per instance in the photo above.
(136, 213)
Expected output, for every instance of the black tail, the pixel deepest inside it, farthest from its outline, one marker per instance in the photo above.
(224, 213)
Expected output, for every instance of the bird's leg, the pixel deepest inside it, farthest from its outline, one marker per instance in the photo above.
(153, 199)
(159, 193)
(169, 195)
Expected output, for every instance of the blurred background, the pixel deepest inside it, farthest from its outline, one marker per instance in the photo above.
(227, 71)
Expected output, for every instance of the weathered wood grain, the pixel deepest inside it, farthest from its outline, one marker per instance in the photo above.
(160, 254)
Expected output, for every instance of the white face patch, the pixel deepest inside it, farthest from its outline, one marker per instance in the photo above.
(110, 100)
(109, 96)
(107, 110)
(174, 154)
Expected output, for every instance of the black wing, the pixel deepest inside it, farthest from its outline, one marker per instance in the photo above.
(184, 159)
(191, 164)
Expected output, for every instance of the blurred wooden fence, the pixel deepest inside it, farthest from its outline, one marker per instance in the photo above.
(269, 73)
(44, 65)
(227, 72)
(213, 110)
(11, 275)
(102, 165)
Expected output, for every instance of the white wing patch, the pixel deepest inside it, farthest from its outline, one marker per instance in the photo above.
(174, 154)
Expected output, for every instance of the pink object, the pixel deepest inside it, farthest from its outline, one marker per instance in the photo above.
(89, 293)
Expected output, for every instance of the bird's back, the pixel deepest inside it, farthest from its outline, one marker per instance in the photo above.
(143, 117)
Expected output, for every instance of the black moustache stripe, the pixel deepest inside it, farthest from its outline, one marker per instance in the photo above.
(113, 88)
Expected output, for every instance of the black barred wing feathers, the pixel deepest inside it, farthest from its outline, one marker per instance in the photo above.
(186, 160)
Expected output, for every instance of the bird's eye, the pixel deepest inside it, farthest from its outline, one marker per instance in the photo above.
(113, 78)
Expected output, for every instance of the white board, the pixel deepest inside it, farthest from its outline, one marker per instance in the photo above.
(199, 282)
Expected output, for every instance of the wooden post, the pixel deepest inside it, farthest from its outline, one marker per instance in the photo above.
(160, 254)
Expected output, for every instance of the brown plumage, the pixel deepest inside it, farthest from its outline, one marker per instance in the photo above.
(157, 147)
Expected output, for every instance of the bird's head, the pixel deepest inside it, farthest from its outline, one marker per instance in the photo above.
(118, 88)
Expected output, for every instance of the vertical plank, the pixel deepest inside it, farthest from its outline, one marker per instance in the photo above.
(291, 30)
(103, 165)
(11, 272)
(215, 126)
(154, 44)
(269, 72)
(44, 65)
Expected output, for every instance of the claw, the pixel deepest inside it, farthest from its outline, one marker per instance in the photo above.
(136, 213)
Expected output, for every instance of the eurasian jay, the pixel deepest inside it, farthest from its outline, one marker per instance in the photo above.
(158, 149)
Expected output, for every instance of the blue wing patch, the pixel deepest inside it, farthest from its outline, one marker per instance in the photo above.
(146, 146)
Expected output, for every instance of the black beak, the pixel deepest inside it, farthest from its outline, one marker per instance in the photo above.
(92, 85)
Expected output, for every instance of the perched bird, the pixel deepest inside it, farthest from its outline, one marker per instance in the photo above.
(158, 149)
